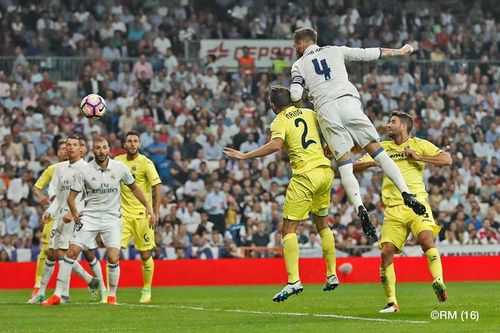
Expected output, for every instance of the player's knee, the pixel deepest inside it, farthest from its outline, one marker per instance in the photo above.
(89, 255)
(145, 255)
(388, 251)
(70, 254)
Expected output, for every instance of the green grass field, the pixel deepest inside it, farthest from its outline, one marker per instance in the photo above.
(351, 308)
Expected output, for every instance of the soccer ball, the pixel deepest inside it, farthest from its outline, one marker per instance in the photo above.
(93, 106)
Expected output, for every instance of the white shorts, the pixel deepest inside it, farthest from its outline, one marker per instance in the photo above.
(110, 230)
(343, 123)
(61, 234)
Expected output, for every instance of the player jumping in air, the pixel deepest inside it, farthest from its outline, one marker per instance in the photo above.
(63, 227)
(410, 155)
(340, 112)
(309, 189)
(135, 220)
(100, 180)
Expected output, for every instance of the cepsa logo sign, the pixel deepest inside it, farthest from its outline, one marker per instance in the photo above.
(227, 52)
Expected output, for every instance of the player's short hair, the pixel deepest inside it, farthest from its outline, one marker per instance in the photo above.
(73, 137)
(83, 141)
(405, 118)
(60, 143)
(280, 96)
(100, 139)
(134, 133)
(305, 34)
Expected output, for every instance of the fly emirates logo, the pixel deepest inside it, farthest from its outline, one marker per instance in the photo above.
(104, 189)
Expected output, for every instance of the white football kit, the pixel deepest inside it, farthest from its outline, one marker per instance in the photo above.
(60, 187)
(336, 100)
(102, 211)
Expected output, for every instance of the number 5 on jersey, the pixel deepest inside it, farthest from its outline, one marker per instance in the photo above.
(321, 68)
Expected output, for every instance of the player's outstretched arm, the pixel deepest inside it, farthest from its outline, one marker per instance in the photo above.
(140, 196)
(271, 147)
(441, 159)
(407, 49)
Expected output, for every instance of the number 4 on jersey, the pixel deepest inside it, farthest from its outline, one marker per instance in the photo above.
(321, 68)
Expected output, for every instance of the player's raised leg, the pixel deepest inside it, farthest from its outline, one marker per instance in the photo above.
(388, 277)
(426, 240)
(291, 255)
(378, 153)
(340, 142)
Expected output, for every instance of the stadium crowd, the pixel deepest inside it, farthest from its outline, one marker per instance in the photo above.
(187, 113)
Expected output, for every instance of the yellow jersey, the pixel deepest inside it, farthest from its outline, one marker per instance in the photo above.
(146, 176)
(298, 128)
(413, 171)
(46, 177)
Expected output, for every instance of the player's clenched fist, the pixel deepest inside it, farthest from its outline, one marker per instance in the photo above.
(407, 49)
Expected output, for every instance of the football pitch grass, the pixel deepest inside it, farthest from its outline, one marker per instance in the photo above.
(350, 308)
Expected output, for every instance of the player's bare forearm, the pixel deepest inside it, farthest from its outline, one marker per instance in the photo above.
(156, 198)
(407, 49)
(44, 200)
(362, 166)
(72, 205)
(441, 159)
(271, 147)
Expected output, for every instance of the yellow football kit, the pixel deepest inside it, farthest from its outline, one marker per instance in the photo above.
(134, 216)
(400, 220)
(40, 184)
(310, 186)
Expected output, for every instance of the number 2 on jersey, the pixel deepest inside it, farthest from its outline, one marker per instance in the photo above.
(305, 143)
(321, 68)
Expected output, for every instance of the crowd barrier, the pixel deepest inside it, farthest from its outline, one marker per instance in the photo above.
(196, 272)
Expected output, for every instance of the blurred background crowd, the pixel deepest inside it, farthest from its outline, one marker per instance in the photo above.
(187, 111)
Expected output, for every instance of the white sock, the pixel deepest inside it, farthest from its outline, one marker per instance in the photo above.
(391, 170)
(350, 184)
(65, 267)
(114, 276)
(81, 272)
(95, 266)
(48, 270)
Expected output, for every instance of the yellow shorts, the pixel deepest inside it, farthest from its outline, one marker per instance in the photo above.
(308, 192)
(144, 236)
(400, 220)
(47, 228)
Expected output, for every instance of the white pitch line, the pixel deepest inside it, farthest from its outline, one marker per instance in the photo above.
(267, 313)
(272, 313)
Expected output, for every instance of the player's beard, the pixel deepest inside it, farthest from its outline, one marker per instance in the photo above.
(100, 159)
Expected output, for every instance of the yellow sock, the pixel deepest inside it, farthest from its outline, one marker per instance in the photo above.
(434, 262)
(40, 263)
(388, 278)
(148, 267)
(291, 254)
(328, 247)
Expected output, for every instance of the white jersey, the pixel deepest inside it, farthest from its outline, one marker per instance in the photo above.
(60, 186)
(322, 71)
(102, 188)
